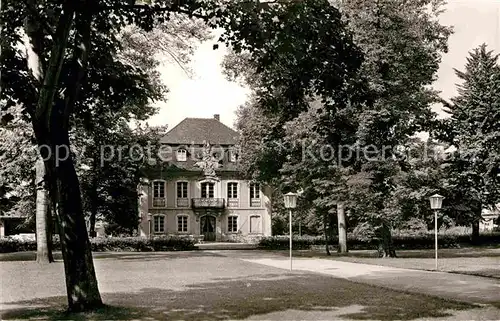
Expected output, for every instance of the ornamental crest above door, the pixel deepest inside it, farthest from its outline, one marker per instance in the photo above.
(208, 163)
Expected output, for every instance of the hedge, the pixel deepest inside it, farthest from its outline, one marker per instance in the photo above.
(112, 244)
(408, 242)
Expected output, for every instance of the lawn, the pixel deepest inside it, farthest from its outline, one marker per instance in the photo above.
(474, 261)
(207, 286)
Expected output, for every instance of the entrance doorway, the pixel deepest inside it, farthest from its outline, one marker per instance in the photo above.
(207, 227)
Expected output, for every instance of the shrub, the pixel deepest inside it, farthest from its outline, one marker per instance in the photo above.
(282, 242)
(400, 241)
(111, 244)
(9, 244)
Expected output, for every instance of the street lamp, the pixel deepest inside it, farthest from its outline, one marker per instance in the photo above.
(290, 202)
(149, 225)
(436, 203)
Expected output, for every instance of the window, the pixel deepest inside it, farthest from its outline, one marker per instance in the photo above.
(232, 194)
(255, 195)
(232, 224)
(181, 155)
(255, 224)
(182, 194)
(182, 189)
(254, 190)
(182, 223)
(207, 190)
(232, 190)
(159, 194)
(159, 223)
(232, 156)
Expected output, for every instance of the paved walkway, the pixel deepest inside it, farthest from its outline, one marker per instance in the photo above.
(465, 288)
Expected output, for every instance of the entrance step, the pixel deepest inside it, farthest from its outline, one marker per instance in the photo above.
(226, 246)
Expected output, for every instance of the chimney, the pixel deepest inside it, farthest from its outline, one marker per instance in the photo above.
(217, 117)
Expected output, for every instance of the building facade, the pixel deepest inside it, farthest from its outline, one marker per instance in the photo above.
(490, 219)
(197, 189)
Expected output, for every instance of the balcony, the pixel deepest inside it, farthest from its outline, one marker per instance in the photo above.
(207, 203)
(255, 202)
(159, 202)
(183, 202)
(233, 202)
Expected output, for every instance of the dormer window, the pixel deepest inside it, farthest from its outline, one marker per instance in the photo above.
(232, 156)
(181, 155)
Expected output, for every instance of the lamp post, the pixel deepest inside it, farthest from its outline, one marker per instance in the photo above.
(436, 203)
(149, 225)
(290, 203)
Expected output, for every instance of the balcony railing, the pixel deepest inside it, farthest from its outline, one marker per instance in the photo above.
(207, 202)
(233, 202)
(183, 202)
(255, 202)
(159, 202)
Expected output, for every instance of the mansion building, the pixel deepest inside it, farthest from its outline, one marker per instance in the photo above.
(197, 189)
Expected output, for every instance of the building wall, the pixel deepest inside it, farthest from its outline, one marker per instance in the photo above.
(247, 215)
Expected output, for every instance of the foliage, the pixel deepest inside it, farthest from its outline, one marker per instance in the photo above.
(298, 103)
(70, 73)
(472, 173)
(17, 172)
(422, 174)
(402, 41)
(402, 241)
(381, 98)
(143, 50)
(140, 244)
(281, 242)
(109, 244)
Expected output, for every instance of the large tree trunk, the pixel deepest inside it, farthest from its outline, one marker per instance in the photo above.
(92, 219)
(342, 228)
(81, 282)
(50, 124)
(42, 217)
(385, 247)
(93, 207)
(93, 197)
(475, 226)
(325, 229)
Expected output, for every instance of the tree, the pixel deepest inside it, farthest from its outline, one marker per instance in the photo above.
(55, 84)
(43, 217)
(300, 105)
(110, 180)
(402, 41)
(173, 39)
(55, 81)
(23, 182)
(472, 173)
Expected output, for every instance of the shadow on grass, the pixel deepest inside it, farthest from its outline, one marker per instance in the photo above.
(244, 297)
(473, 252)
(485, 273)
(31, 256)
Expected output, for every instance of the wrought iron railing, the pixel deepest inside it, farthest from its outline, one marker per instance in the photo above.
(183, 202)
(208, 202)
(159, 202)
(233, 202)
(255, 202)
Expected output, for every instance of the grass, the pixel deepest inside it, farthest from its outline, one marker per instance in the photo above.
(206, 286)
(480, 261)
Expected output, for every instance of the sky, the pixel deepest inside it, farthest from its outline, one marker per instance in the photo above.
(206, 92)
